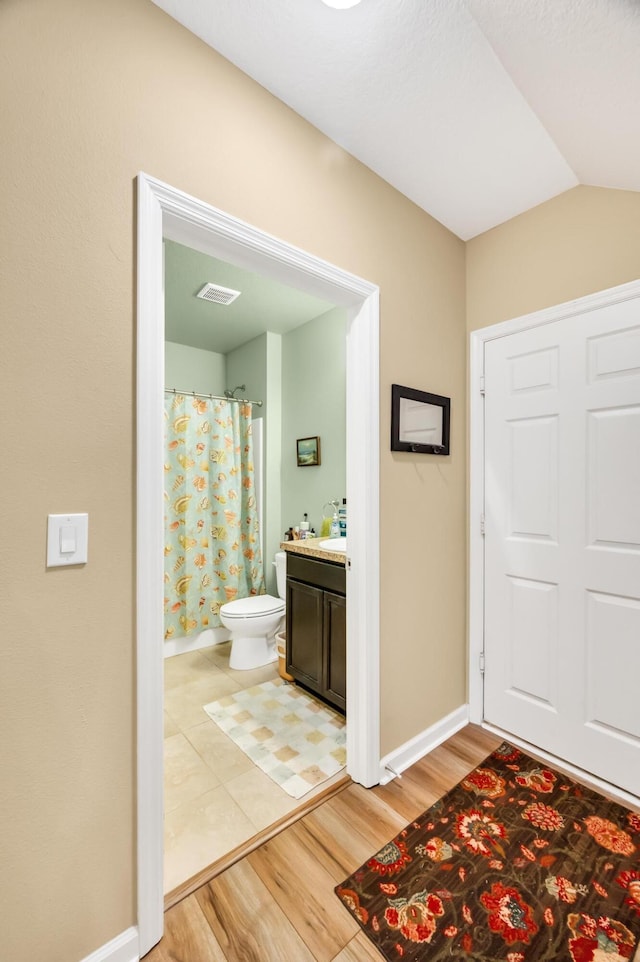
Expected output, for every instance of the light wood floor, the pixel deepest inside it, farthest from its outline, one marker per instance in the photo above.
(278, 905)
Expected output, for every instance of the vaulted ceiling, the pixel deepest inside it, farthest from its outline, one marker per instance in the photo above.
(474, 109)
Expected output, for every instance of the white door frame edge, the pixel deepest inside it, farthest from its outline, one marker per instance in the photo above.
(165, 212)
(590, 302)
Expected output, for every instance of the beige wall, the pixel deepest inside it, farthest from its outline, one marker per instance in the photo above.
(583, 241)
(91, 93)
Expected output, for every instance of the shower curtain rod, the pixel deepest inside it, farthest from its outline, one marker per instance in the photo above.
(213, 397)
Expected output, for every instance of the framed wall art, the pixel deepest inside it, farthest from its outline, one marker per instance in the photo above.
(308, 452)
(419, 421)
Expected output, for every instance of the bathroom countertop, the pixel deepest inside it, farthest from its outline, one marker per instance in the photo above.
(310, 547)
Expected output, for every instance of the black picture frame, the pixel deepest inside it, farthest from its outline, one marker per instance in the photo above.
(413, 427)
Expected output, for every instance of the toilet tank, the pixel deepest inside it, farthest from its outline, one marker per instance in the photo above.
(281, 572)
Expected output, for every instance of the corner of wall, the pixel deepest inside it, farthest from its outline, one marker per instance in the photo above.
(401, 758)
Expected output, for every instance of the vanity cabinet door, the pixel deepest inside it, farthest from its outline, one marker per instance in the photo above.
(304, 633)
(335, 648)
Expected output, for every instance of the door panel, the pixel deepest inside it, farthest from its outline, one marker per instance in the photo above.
(304, 633)
(335, 648)
(613, 637)
(534, 371)
(533, 487)
(614, 485)
(615, 354)
(562, 539)
(533, 639)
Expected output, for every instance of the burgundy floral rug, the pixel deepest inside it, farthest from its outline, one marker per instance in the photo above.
(516, 863)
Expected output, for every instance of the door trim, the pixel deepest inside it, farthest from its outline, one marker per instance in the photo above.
(591, 302)
(164, 211)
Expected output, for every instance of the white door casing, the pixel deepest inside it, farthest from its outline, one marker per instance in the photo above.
(562, 533)
(164, 211)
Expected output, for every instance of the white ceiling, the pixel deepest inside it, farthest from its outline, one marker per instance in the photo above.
(474, 109)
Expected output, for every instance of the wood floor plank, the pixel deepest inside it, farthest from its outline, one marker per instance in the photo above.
(334, 853)
(368, 814)
(416, 789)
(291, 869)
(432, 776)
(246, 920)
(470, 747)
(359, 949)
(352, 831)
(473, 742)
(187, 937)
(406, 795)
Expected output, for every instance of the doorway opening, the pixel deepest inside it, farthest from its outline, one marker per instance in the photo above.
(165, 212)
(242, 749)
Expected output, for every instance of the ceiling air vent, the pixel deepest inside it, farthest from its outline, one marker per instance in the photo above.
(218, 294)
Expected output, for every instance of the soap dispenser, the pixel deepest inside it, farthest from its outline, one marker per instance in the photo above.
(335, 526)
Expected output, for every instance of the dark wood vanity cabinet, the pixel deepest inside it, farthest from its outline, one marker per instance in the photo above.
(305, 637)
(317, 626)
(334, 626)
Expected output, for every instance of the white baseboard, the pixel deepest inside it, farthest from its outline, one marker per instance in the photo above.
(124, 948)
(419, 746)
(205, 639)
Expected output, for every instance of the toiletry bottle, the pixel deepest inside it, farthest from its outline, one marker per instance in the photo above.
(342, 514)
(335, 526)
(304, 527)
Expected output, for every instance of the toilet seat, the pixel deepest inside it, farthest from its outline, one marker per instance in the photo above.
(255, 606)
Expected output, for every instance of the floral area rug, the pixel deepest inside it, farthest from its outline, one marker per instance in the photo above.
(516, 863)
(298, 741)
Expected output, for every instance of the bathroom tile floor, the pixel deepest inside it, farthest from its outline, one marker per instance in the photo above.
(215, 798)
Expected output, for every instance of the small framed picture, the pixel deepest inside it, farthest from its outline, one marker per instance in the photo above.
(308, 451)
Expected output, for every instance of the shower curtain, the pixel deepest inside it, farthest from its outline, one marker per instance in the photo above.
(212, 548)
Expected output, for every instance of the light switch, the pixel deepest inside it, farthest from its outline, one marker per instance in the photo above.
(67, 539)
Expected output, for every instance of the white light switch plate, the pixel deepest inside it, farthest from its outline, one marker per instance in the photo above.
(67, 539)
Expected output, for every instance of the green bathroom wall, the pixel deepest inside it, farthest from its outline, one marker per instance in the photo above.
(314, 404)
(248, 365)
(192, 369)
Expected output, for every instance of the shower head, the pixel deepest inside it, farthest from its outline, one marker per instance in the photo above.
(232, 394)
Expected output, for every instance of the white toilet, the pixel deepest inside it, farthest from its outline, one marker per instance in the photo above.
(254, 621)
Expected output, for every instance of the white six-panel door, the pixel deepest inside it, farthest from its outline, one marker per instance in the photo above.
(562, 539)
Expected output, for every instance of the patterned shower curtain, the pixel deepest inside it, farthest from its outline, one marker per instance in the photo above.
(212, 548)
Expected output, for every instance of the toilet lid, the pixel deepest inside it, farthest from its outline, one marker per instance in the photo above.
(252, 607)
